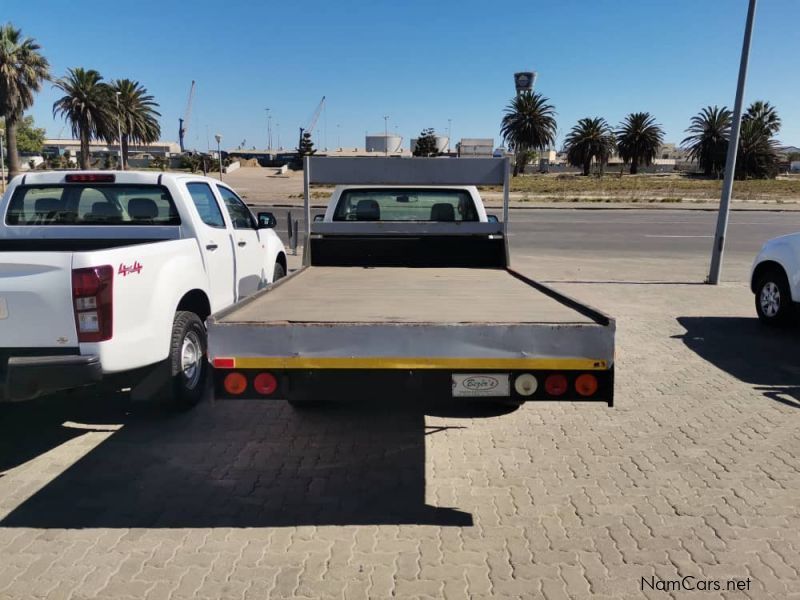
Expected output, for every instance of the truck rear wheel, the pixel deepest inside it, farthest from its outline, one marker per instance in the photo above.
(189, 367)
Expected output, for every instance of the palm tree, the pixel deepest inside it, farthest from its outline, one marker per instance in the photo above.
(590, 139)
(22, 70)
(86, 105)
(638, 139)
(136, 111)
(529, 124)
(764, 113)
(708, 142)
(756, 156)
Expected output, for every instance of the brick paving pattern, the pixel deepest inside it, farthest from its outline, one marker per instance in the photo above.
(693, 473)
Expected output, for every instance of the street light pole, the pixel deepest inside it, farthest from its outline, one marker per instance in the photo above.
(269, 130)
(730, 163)
(449, 133)
(119, 133)
(386, 135)
(218, 137)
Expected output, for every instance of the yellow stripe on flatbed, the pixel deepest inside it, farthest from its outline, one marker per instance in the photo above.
(403, 362)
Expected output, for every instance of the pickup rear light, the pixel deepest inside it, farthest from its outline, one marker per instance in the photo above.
(265, 384)
(586, 384)
(235, 383)
(94, 177)
(555, 385)
(92, 299)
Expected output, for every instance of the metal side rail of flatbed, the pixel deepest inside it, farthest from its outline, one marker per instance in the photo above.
(411, 309)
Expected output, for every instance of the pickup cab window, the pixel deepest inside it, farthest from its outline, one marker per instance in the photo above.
(241, 217)
(206, 204)
(75, 204)
(403, 204)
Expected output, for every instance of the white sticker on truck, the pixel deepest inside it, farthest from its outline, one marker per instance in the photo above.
(481, 384)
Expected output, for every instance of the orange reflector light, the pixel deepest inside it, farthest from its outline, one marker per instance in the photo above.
(555, 385)
(235, 383)
(224, 363)
(265, 383)
(586, 384)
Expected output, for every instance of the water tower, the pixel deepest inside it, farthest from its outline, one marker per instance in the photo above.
(524, 80)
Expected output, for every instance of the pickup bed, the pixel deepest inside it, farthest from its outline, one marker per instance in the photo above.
(398, 308)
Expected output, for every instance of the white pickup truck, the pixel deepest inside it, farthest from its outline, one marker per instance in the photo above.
(775, 280)
(407, 290)
(111, 275)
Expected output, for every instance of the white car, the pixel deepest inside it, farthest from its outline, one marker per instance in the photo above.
(775, 279)
(111, 275)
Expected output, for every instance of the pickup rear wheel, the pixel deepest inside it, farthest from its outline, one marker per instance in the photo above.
(773, 298)
(188, 360)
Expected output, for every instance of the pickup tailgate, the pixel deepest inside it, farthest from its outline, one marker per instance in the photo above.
(36, 300)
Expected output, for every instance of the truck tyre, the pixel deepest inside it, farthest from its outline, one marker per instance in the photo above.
(773, 298)
(189, 367)
(278, 272)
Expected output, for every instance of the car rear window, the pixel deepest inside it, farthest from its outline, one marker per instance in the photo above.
(405, 204)
(92, 204)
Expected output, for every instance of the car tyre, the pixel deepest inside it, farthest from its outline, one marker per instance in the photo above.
(188, 364)
(278, 272)
(773, 298)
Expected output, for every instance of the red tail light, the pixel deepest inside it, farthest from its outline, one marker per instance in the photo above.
(235, 383)
(555, 385)
(265, 383)
(94, 177)
(586, 384)
(92, 300)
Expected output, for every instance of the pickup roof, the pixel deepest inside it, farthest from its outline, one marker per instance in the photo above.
(110, 275)
(407, 289)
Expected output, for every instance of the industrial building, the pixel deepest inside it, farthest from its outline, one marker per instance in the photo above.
(382, 142)
(442, 143)
(99, 147)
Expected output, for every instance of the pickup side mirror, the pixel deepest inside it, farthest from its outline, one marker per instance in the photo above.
(319, 218)
(266, 220)
(492, 219)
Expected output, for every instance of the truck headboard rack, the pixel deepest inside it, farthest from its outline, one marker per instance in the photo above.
(418, 244)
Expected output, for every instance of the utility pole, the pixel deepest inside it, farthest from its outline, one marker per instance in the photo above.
(119, 133)
(218, 137)
(2, 161)
(730, 163)
(449, 133)
(269, 130)
(386, 135)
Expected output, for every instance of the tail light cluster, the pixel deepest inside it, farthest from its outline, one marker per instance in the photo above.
(236, 383)
(557, 384)
(92, 300)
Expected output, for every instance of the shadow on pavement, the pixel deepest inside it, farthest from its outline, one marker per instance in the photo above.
(32, 428)
(764, 357)
(250, 464)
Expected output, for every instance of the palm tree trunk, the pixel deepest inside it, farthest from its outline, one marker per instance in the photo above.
(84, 149)
(11, 146)
(587, 166)
(634, 165)
(124, 150)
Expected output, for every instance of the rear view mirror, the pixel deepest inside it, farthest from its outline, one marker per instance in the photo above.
(266, 220)
(492, 219)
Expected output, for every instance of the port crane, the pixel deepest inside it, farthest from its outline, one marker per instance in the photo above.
(312, 123)
(183, 123)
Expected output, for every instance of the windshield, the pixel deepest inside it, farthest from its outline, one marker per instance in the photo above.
(405, 204)
(93, 204)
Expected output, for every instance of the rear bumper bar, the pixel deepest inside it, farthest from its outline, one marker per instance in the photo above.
(27, 377)
(340, 384)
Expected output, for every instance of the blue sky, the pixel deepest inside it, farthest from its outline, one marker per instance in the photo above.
(419, 62)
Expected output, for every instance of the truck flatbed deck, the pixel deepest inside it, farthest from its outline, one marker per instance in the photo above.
(404, 295)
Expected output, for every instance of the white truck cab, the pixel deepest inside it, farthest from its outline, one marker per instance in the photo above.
(114, 272)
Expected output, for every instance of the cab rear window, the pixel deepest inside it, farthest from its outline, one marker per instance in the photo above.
(92, 204)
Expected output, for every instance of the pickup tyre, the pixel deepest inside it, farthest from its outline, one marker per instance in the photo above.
(189, 366)
(773, 298)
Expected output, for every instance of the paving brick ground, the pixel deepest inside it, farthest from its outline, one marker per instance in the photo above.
(693, 473)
